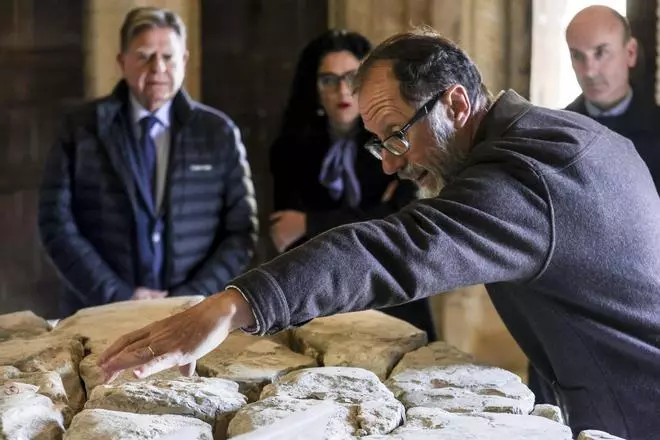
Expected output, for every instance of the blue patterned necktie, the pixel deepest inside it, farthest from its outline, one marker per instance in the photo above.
(148, 151)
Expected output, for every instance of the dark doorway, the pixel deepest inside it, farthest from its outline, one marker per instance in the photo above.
(41, 53)
(249, 49)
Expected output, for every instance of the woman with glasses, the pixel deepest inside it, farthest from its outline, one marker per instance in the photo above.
(323, 176)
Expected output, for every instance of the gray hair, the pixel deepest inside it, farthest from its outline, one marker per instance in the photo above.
(425, 63)
(148, 17)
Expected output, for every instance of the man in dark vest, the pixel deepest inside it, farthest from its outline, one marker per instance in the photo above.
(147, 193)
(603, 52)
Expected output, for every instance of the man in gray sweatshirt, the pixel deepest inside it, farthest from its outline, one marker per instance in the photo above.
(556, 214)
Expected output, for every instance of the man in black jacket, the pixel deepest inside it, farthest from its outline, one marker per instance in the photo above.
(603, 52)
(521, 198)
(146, 192)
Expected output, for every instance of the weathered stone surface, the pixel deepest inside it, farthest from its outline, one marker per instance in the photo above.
(48, 384)
(551, 412)
(434, 354)
(26, 414)
(48, 353)
(207, 399)
(23, 324)
(376, 409)
(434, 423)
(92, 375)
(592, 434)
(102, 325)
(251, 361)
(371, 340)
(343, 421)
(116, 425)
(457, 386)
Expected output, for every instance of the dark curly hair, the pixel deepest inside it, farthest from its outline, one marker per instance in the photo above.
(424, 62)
(301, 110)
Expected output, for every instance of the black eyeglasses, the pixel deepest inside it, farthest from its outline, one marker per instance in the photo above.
(327, 80)
(397, 143)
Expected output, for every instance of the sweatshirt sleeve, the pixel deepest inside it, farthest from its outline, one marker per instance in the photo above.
(489, 225)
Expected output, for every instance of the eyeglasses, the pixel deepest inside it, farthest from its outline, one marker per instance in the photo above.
(397, 143)
(331, 81)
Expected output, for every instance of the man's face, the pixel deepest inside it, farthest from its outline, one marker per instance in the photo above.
(601, 59)
(433, 157)
(154, 66)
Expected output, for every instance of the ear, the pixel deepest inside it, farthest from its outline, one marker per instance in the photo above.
(631, 52)
(120, 61)
(458, 105)
(186, 56)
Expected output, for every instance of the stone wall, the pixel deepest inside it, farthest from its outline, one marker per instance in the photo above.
(358, 375)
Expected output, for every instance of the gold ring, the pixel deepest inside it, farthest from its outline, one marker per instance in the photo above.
(153, 355)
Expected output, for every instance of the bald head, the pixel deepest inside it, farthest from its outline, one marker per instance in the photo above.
(602, 52)
(600, 19)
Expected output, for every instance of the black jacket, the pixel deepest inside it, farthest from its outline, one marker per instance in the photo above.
(88, 202)
(295, 164)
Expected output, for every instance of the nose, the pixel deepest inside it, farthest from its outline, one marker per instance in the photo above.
(590, 67)
(391, 163)
(344, 88)
(158, 64)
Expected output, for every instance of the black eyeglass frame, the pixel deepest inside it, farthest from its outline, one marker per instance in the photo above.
(375, 145)
(336, 80)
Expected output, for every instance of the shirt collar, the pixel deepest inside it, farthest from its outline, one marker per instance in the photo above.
(138, 112)
(617, 110)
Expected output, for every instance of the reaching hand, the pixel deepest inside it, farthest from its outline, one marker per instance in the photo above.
(178, 340)
(287, 227)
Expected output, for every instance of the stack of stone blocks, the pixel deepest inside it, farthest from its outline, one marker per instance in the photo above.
(374, 376)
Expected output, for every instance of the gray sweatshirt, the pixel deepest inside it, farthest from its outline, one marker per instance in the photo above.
(558, 216)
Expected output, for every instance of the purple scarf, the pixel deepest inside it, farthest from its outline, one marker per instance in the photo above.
(338, 172)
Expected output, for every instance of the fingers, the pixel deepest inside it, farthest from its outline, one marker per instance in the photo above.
(128, 358)
(188, 369)
(156, 365)
(122, 343)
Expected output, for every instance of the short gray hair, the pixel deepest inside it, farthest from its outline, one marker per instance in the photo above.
(148, 17)
(424, 62)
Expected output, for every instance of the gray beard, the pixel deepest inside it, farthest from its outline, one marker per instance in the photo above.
(445, 160)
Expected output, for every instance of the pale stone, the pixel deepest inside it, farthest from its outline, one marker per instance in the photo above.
(434, 423)
(371, 340)
(26, 414)
(342, 422)
(434, 354)
(551, 412)
(209, 399)
(48, 384)
(102, 325)
(376, 409)
(116, 425)
(23, 324)
(92, 375)
(251, 361)
(440, 377)
(49, 353)
(592, 434)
